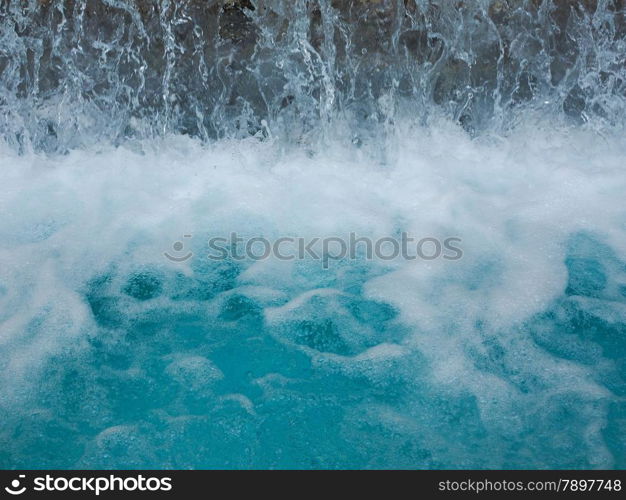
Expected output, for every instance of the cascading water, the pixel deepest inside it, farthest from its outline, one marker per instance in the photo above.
(131, 129)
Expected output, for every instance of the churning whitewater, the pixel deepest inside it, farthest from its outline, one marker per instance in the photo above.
(137, 130)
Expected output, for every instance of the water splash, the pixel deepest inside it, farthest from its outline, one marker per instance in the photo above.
(128, 125)
(75, 73)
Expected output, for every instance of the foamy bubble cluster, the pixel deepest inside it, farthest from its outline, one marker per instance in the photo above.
(512, 356)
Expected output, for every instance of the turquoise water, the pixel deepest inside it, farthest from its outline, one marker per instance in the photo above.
(502, 127)
(178, 387)
(512, 356)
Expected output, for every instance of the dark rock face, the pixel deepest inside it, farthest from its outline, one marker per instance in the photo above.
(209, 68)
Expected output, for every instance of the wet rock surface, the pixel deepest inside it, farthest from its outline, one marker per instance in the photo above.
(137, 68)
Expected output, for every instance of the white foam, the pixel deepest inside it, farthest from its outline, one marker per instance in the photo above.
(512, 200)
